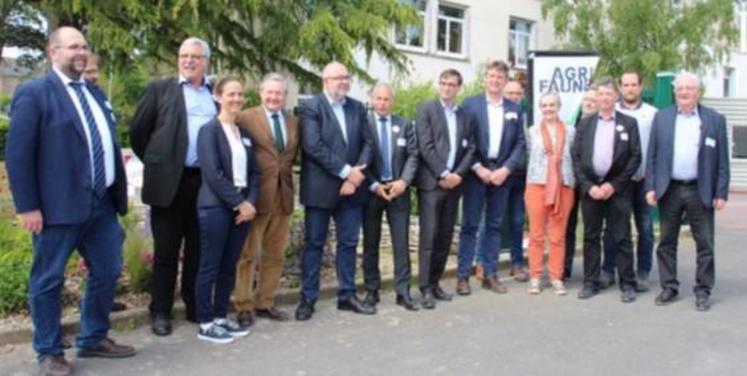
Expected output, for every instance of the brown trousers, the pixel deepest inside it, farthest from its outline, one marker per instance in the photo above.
(263, 252)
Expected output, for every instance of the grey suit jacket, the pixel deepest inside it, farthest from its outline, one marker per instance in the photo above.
(403, 146)
(713, 155)
(433, 144)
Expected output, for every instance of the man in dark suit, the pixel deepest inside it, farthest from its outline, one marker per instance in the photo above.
(389, 177)
(445, 146)
(163, 134)
(337, 147)
(68, 183)
(687, 172)
(499, 150)
(606, 153)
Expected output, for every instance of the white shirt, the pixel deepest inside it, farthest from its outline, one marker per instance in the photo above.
(281, 119)
(339, 110)
(495, 128)
(644, 115)
(238, 154)
(686, 146)
(101, 124)
(451, 124)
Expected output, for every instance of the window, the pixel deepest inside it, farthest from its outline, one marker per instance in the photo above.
(451, 32)
(741, 13)
(519, 42)
(729, 82)
(413, 35)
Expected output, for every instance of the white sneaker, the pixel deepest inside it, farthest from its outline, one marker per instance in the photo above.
(558, 287)
(534, 286)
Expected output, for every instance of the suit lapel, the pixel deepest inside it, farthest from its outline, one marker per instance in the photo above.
(485, 120)
(290, 133)
(265, 130)
(705, 123)
(61, 92)
(331, 114)
(373, 124)
(349, 121)
(442, 125)
(590, 140)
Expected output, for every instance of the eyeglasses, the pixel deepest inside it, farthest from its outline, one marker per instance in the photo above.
(73, 47)
(343, 77)
(191, 57)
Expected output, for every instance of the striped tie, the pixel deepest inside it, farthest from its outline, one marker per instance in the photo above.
(97, 148)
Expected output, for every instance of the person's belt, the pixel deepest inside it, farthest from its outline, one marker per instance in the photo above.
(685, 182)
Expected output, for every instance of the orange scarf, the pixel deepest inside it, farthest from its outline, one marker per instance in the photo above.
(554, 159)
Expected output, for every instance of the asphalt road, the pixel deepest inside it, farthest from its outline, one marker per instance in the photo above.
(483, 334)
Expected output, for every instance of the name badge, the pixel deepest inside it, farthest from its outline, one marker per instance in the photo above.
(710, 142)
(401, 142)
(464, 143)
(395, 129)
(247, 142)
(623, 137)
(620, 128)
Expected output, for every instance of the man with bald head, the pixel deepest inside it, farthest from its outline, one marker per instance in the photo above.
(389, 176)
(68, 182)
(337, 147)
(163, 133)
(687, 171)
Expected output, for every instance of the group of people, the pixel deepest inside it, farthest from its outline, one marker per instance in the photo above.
(219, 182)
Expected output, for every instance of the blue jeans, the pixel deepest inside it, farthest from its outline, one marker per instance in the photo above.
(220, 247)
(515, 215)
(348, 224)
(99, 241)
(644, 223)
(478, 196)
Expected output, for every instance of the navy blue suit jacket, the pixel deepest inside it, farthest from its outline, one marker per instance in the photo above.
(47, 154)
(713, 159)
(325, 151)
(214, 154)
(513, 144)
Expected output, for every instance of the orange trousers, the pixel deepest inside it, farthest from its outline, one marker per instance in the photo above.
(543, 224)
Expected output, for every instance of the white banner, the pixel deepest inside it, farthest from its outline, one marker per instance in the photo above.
(565, 73)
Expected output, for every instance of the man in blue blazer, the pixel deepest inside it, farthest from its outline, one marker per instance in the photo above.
(337, 146)
(68, 183)
(500, 148)
(687, 172)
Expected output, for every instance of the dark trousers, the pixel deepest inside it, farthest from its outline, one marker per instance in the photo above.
(347, 225)
(99, 241)
(644, 223)
(438, 212)
(172, 227)
(570, 235)
(398, 217)
(613, 215)
(677, 200)
(221, 240)
(514, 217)
(480, 202)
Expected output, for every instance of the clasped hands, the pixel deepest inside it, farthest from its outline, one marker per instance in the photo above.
(495, 177)
(390, 191)
(353, 181)
(601, 192)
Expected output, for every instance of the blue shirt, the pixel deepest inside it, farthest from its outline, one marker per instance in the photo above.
(339, 110)
(451, 124)
(686, 145)
(200, 109)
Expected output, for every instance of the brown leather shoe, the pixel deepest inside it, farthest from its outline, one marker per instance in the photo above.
(107, 348)
(55, 365)
(272, 313)
(245, 318)
(494, 284)
(520, 274)
(479, 272)
(463, 287)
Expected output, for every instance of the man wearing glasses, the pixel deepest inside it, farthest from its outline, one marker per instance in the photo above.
(337, 146)
(163, 134)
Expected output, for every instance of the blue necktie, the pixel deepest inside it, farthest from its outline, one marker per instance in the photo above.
(386, 171)
(97, 148)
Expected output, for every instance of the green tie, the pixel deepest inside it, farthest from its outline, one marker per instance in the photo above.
(279, 142)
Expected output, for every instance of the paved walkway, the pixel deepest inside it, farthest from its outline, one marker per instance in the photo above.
(481, 334)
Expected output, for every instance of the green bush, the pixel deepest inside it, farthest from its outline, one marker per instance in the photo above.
(15, 264)
(4, 126)
(137, 252)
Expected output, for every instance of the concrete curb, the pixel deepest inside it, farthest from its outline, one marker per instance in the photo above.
(138, 316)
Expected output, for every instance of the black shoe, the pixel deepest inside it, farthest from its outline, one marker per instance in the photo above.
(352, 304)
(440, 294)
(191, 315)
(606, 279)
(641, 282)
(372, 298)
(665, 297)
(161, 325)
(429, 301)
(628, 295)
(407, 302)
(588, 292)
(305, 310)
(702, 302)
(107, 348)
(118, 307)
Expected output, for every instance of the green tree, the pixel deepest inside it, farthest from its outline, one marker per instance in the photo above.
(647, 35)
